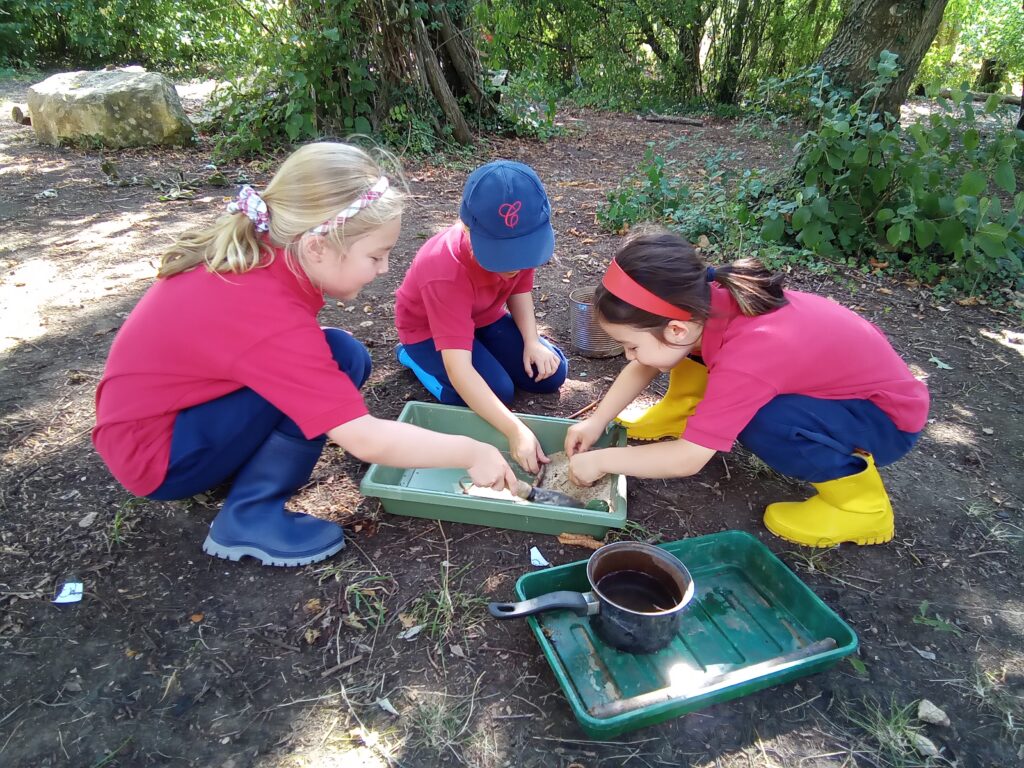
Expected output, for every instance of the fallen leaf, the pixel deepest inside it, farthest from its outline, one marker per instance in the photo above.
(457, 651)
(197, 617)
(579, 540)
(410, 633)
(886, 291)
(969, 301)
(985, 430)
(88, 520)
(354, 622)
(703, 242)
(924, 654)
(313, 606)
(387, 707)
(939, 364)
(406, 620)
(311, 635)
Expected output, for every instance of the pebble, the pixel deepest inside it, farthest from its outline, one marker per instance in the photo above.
(929, 713)
(924, 745)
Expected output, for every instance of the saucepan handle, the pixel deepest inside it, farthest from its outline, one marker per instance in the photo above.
(576, 602)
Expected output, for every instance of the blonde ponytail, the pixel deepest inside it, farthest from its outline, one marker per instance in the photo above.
(310, 188)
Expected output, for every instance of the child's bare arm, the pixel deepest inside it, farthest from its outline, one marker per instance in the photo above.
(535, 354)
(630, 382)
(472, 388)
(394, 444)
(520, 306)
(677, 458)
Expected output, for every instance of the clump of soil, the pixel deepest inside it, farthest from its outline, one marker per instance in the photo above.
(556, 478)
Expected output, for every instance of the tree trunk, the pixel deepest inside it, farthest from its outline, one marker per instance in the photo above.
(688, 38)
(904, 27)
(990, 76)
(728, 83)
(438, 85)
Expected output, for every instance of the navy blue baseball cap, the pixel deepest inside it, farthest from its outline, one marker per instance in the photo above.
(509, 217)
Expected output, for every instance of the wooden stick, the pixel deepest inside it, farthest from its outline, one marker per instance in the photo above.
(672, 119)
(712, 683)
(584, 409)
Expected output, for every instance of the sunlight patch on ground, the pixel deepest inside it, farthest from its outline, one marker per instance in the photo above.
(948, 433)
(29, 168)
(1008, 339)
(196, 89)
(323, 741)
(35, 286)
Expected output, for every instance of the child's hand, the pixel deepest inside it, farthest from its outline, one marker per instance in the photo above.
(581, 436)
(526, 450)
(536, 353)
(490, 470)
(583, 469)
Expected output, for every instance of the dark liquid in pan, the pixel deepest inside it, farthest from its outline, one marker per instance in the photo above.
(636, 591)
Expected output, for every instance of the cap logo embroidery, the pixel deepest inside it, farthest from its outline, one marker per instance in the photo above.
(510, 213)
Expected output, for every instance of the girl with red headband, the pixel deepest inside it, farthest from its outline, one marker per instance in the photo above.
(222, 370)
(812, 388)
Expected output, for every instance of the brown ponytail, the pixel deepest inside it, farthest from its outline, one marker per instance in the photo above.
(668, 266)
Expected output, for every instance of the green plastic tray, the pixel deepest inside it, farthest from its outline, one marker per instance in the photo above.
(748, 607)
(435, 493)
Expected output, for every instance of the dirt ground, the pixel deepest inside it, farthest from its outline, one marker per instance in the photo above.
(174, 658)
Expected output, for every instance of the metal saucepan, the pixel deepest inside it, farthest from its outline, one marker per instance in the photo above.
(637, 596)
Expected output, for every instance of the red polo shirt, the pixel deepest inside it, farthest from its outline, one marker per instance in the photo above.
(199, 335)
(446, 295)
(812, 346)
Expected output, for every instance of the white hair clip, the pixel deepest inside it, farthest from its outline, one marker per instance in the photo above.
(375, 193)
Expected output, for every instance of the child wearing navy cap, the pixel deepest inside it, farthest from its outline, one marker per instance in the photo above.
(464, 311)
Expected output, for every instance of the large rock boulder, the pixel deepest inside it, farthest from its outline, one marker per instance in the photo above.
(117, 108)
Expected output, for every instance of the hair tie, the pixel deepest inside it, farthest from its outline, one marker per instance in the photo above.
(253, 206)
(376, 192)
(710, 276)
(621, 285)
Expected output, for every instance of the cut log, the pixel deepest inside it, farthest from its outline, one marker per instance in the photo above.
(1005, 98)
(20, 115)
(678, 120)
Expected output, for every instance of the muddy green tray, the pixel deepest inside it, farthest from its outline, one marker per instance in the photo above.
(748, 609)
(435, 493)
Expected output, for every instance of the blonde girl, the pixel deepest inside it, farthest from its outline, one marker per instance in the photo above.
(222, 371)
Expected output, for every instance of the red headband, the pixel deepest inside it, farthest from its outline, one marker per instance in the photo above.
(623, 286)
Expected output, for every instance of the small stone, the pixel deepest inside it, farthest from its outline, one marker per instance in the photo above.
(88, 520)
(924, 745)
(929, 713)
(988, 430)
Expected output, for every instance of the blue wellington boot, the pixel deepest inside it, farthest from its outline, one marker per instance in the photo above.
(254, 521)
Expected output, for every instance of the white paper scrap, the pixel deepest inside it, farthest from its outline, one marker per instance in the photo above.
(536, 558)
(70, 592)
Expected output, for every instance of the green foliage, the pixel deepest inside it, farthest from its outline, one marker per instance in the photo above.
(939, 199)
(939, 196)
(527, 107)
(651, 54)
(174, 37)
(970, 32)
(312, 81)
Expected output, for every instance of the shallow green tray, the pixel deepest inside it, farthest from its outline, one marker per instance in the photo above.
(748, 607)
(435, 493)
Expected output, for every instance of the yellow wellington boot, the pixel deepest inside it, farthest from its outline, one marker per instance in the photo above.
(667, 418)
(854, 508)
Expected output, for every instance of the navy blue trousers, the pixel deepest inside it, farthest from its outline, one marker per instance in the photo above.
(213, 440)
(497, 357)
(814, 440)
